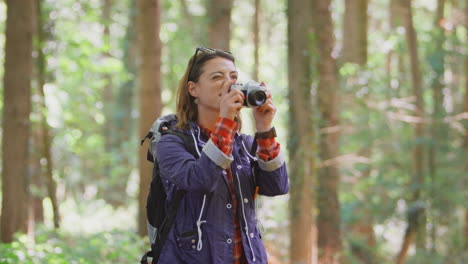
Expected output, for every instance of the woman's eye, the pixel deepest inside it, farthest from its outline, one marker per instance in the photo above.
(216, 77)
(234, 77)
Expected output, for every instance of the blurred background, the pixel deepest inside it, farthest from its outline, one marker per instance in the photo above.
(372, 103)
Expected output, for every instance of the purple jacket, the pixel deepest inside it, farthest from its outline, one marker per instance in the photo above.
(203, 230)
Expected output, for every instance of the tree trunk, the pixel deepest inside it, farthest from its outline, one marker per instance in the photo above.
(16, 110)
(396, 17)
(328, 221)
(363, 231)
(115, 180)
(256, 39)
(45, 131)
(395, 59)
(34, 192)
(437, 126)
(355, 32)
(219, 28)
(416, 218)
(107, 94)
(466, 131)
(150, 104)
(123, 122)
(301, 137)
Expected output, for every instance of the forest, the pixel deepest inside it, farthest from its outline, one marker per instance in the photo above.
(372, 101)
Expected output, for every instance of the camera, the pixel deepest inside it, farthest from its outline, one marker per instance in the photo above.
(254, 93)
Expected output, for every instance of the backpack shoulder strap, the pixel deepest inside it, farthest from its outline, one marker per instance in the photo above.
(171, 213)
(189, 143)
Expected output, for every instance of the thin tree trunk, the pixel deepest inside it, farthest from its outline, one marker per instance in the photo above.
(115, 184)
(416, 217)
(396, 16)
(45, 131)
(123, 120)
(34, 194)
(150, 104)
(438, 114)
(328, 223)
(363, 230)
(219, 25)
(466, 131)
(256, 39)
(301, 137)
(16, 110)
(355, 32)
(107, 94)
(190, 24)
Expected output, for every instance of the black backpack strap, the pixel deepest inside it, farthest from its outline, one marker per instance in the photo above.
(144, 258)
(189, 143)
(171, 213)
(253, 149)
(167, 224)
(255, 167)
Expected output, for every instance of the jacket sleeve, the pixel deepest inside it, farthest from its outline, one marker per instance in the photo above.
(272, 176)
(182, 169)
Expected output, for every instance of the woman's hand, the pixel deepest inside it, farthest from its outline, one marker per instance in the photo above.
(264, 114)
(231, 101)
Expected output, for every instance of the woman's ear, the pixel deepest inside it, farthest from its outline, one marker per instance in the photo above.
(192, 89)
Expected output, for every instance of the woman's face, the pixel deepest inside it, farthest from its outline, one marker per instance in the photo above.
(216, 73)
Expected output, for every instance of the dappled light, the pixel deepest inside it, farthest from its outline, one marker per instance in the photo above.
(371, 117)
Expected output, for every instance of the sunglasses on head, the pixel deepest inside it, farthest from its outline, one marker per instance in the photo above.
(204, 50)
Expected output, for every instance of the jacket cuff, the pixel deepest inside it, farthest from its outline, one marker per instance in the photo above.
(273, 164)
(216, 155)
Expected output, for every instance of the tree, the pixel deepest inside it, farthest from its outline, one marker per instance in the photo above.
(301, 138)
(149, 93)
(328, 221)
(46, 152)
(355, 32)
(465, 108)
(219, 24)
(256, 39)
(124, 105)
(16, 110)
(416, 225)
(437, 128)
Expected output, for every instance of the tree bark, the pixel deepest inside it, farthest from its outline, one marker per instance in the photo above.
(107, 93)
(363, 230)
(355, 32)
(34, 192)
(437, 126)
(396, 17)
(256, 39)
(416, 217)
(328, 221)
(301, 137)
(466, 131)
(150, 103)
(219, 25)
(115, 181)
(123, 122)
(45, 130)
(16, 110)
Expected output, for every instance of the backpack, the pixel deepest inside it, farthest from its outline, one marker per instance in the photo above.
(159, 219)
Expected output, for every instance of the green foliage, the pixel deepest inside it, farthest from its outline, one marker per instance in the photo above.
(376, 174)
(58, 247)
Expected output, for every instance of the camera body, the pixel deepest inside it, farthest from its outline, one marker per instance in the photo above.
(254, 93)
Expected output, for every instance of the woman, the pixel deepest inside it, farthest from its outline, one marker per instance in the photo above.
(216, 221)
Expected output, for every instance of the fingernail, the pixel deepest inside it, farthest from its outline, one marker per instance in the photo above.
(262, 84)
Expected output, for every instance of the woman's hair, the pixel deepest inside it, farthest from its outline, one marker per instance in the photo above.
(186, 107)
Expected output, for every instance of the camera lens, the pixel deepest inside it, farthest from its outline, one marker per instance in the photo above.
(256, 97)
